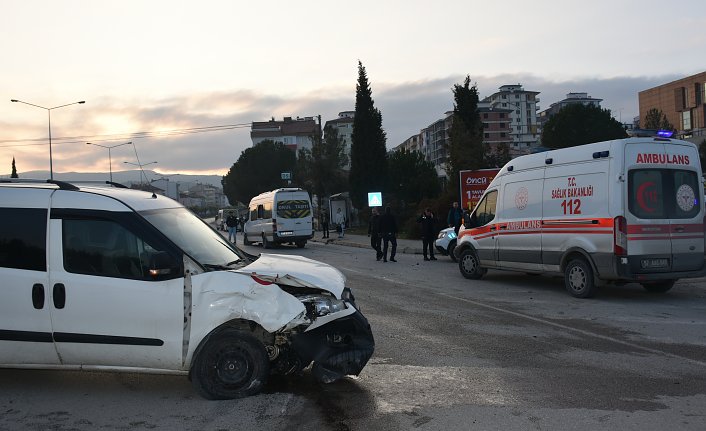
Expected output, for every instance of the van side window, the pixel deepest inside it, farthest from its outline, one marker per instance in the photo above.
(253, 213)
(485, 211)
(663, 193)
(23, 238)
(267, 213)
(105, 248)
(260, 211)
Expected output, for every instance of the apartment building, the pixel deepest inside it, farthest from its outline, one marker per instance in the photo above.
(571, 99)
(682, 102)
(294, 133)
(523, 105)
(344, 125)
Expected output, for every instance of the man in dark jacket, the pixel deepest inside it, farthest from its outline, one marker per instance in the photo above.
(428, 222)
(388, 229)
(232, 223)
(455, 217)
(374, 233)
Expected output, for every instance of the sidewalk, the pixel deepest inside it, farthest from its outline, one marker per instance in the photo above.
(406, 246)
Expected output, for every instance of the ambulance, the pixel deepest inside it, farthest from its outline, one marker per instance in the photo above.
(627, 210)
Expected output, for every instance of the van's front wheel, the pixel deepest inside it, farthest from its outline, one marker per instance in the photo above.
(232, 364)
(578, 279)
(265, 242)
(659, 286)
(469, 265)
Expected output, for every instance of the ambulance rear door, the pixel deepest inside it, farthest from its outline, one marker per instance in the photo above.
(664, 208)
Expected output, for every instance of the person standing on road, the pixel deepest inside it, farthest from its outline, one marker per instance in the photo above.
(455, 217)
(388, 228)
(341, 223)
(428, 222)
(324, 223)
(232, 223)
(374, 233)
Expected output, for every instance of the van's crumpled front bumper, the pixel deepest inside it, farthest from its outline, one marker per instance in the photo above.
(339, 348)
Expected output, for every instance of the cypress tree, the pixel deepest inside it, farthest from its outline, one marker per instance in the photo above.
(14, 170)
(368, 147)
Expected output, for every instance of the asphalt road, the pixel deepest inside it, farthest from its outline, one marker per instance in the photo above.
(509, 351)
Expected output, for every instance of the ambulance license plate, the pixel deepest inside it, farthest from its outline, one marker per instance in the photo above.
(654, 263)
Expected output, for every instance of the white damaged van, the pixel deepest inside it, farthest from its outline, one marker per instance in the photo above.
(108, 278)
(627, 210)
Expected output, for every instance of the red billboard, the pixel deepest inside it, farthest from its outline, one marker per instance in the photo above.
(473, 184)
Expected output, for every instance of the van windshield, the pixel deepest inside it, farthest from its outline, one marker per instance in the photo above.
(194, 237)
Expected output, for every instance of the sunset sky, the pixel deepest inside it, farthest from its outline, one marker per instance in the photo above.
(183, 80)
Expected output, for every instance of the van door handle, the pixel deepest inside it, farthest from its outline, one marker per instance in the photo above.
(38, 296)
(492, 228)
(59, 296)
(679, 229)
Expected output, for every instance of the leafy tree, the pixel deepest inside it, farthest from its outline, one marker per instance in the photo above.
(656, 119)
(258, 170)
(321, 168)
(14, 170)
(412, 178)
(368, 148)
(499, 157)
(465, 147)
(579, 124)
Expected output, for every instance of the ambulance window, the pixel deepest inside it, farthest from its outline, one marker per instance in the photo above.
(663, 193)
(485, 212)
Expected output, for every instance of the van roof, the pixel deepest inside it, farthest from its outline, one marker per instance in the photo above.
(136, 199)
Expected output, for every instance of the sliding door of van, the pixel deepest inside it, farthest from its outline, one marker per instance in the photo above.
(25, 319)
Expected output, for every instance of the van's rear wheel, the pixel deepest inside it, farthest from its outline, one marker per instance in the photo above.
(265, 242)
(659, 286)
(301, 244)
(245, 240)
(578, 279)
(469, 265)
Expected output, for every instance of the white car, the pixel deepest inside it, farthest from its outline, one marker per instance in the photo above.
(446, 242)
(106, 278)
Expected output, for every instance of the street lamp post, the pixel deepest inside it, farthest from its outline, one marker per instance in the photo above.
(141, 165)
(110, 160)
(51, 166)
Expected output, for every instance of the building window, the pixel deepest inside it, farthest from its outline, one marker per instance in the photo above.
(503, 134)
(504, 105)
(486, 135)
(517, 96)
(504, 96)
(486, 125)
(502, 115)
(686, 120)
(502, 125)
(485, 115)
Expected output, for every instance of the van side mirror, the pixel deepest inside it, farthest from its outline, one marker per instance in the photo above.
(470, 220)
(161, 264)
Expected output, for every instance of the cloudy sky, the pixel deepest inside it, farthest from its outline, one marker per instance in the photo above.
(183, 80)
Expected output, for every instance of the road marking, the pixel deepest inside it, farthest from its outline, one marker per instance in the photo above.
(576, 330)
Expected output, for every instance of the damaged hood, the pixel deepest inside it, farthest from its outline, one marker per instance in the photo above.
(297, 271)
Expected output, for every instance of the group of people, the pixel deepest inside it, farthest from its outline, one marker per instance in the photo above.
(339, 222)
(383, 228)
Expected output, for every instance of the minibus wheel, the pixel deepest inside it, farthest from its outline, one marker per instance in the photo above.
(265, 241)
(659, 286)
(469, 265)
(578, 278)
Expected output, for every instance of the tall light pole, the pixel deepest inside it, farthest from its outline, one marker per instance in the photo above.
(141, 165)
(110, 160)
(51, 166)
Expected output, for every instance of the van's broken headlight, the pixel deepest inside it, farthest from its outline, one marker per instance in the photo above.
(320, 305)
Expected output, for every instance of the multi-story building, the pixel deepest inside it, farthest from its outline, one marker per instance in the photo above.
(344, 125)
(434, 141)
(571, 99)
(496, 127)
(413, 143)
(523, 115)
(682, 102)
(295, 133)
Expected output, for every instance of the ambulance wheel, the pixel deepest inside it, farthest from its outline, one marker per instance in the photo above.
(578, 279)
(245, 240)
(450, 251)
(469, 265)
(659, 286)
(265, 241)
